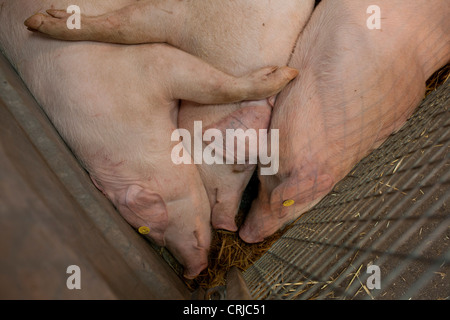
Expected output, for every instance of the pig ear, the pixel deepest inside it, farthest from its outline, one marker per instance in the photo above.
(252, 115)
(200, 240)
(145, 208)
(294, 192)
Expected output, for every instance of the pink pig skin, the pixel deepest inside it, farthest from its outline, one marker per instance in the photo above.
(356, 87)
(117, 106)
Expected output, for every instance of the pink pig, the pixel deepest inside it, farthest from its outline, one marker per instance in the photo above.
(362, 73)
(117, 106)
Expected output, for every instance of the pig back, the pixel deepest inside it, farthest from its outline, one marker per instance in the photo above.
(238, 37)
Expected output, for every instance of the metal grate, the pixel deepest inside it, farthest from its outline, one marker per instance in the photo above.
(391, 213)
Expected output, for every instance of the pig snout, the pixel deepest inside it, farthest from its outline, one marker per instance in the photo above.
(287, 201)
(191, 247)
(259, 223)
(188, 236)
(195, 263)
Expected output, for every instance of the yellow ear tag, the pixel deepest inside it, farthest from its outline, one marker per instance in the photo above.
(288, 203)
(144, 230)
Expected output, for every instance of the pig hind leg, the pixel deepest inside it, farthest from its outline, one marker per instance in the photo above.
(143, 22)
(195, 80)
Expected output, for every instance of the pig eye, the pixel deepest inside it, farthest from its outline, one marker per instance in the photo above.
(288, 203)
(144, 230)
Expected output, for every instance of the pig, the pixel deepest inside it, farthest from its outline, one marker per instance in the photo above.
(117, 106)
(363, 71)
(233, 36)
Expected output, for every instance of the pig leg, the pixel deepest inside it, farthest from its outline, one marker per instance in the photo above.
(143, 22)
(208, 85)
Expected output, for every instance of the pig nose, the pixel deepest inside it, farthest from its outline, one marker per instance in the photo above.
(254, 228)
(191, 271)
(258, 220)
(223, 216)
(250, 235)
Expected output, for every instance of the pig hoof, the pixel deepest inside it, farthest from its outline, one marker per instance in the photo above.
(54, 24)
(268, 81)
(60, 14)
(34, 22)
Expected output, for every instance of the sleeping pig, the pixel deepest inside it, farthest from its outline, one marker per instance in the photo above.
(117, 106)
(363, 70)
(234, 36)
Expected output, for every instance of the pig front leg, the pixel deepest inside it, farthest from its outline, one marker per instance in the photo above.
(143, 22)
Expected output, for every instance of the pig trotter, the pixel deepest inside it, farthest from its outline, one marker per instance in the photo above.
(208, 85)
(55, 25)
(267, 82)
(143, 22)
